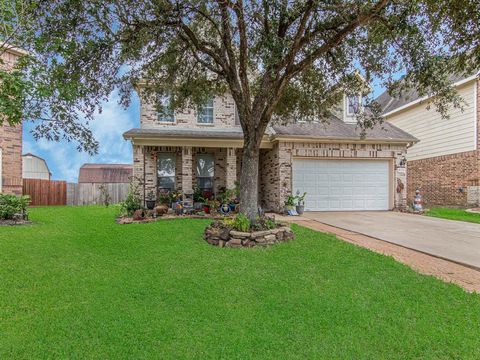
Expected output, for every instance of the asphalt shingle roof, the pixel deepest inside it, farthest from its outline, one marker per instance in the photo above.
(333, 129)
(389, 103)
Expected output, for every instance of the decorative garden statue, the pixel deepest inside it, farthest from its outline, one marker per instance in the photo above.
(418, 201)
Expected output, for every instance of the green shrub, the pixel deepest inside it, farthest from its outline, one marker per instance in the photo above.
(241, 223)
(11, 205)
(132, 202)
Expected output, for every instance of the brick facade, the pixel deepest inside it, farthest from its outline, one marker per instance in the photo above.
(145, 167)
(275, 167)
(223, 114)
(10, 145)
(449, 180)
(445, 180)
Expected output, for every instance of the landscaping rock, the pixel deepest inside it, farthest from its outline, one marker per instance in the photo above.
(219, 234)
(239, 234)
(258, 234)
(270, 238)
(213, 241)
(235, 242)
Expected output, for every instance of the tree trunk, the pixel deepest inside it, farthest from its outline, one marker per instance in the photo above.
(249, 180)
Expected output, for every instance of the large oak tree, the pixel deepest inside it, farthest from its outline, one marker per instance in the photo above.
(281, 60)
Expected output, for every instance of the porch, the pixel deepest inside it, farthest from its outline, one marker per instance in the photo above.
(184, 168)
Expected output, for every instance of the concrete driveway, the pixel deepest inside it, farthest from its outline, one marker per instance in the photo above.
(452, 240)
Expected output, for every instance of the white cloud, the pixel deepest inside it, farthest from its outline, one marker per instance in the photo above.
(65, 160)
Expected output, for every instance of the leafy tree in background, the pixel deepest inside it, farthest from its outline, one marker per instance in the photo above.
(281, 60)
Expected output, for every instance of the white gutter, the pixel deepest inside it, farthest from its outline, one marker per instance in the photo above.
(417, 101)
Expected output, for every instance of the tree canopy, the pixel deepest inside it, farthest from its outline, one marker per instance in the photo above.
(280, 59)
(284, 58)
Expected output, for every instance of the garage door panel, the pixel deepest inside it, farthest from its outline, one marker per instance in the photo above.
(336, 185)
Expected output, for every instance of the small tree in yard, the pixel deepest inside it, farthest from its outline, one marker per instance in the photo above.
(281, 59)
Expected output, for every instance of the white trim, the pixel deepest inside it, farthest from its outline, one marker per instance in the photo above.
(213, 114)
(475, 112)
(403, 107)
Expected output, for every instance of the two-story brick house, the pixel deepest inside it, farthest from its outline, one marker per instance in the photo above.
(331, 162)
(10, 138)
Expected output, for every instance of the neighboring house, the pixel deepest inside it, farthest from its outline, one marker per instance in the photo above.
(445, 163)
(10, 138)
(331, 162)
(105, 173)
(34, 167)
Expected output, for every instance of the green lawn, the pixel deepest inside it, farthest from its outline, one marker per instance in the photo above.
(454, 214)
(77, 285)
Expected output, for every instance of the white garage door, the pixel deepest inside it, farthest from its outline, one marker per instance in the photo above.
(342, 185)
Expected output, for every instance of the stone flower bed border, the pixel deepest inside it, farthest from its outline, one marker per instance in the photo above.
(224, 237)
(14, 222)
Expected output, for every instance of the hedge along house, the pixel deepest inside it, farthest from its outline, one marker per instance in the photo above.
(10, 136)
(337, 168)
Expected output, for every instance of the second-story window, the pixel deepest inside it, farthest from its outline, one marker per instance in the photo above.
(205, 113)
(353, 104)
(165, 112)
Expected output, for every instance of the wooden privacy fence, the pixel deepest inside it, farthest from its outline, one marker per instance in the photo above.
(90, 193)
(45, 192)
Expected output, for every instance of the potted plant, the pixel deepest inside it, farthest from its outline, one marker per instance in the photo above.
(289, 203)
(206, 205)
(198, 199)
(175, 197)
(300, 203)
(213, 205)
(164, 198)
(150, 201)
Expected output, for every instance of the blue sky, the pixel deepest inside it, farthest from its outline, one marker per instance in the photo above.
(64, 160)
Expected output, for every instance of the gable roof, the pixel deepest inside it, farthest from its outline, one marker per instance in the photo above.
(409, 97)
(38, 157)
(105, 173)
(336, 129)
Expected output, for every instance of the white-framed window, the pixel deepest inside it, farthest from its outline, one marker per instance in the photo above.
(205, 113)
(353, 104)
(165, 112)
(205, 171)
(166, 171)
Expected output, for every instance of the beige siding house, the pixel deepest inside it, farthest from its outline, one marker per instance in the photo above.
(340, 170)
(445, 162)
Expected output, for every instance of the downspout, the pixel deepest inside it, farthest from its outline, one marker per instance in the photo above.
(144, 175)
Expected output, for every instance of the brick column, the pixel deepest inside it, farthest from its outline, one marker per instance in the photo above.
(231, 168)
(187, 169)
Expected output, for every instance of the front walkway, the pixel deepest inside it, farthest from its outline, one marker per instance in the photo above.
(417, 259)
